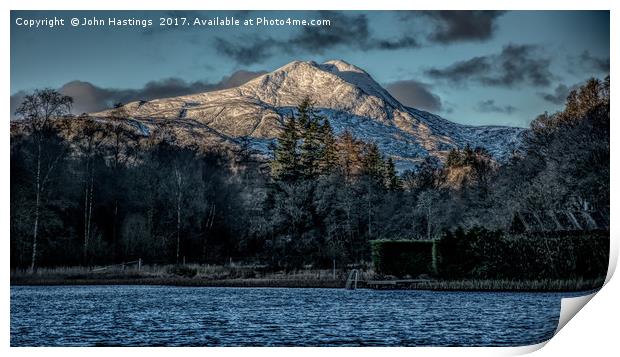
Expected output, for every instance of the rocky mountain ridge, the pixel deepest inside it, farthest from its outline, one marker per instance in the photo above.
(346, 94)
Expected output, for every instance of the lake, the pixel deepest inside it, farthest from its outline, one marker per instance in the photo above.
(191, 316)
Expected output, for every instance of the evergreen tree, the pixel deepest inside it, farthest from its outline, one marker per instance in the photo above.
(328, 156)
(349, 155)
(454, 158)
(373, 162)
(285, 165)
(391, 180)
(305, 114)
(310, 153)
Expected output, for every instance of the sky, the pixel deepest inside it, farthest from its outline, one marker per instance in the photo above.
(471, 67)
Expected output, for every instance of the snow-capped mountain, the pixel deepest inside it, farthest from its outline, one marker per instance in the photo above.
(346, 94)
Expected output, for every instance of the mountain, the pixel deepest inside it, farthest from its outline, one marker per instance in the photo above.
(346, 94)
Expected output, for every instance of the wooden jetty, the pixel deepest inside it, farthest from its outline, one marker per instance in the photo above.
(404, 284)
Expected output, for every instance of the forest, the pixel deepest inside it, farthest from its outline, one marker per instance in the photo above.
(91, 192)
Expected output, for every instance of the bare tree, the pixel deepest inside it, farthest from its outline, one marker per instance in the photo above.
(91, 137)
(38, 110)
(122, 138)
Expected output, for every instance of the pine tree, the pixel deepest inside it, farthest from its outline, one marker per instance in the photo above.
(349, 155)
(454, 158)
(373, 162)
(391, 180)
(329, 156)
(285, 165)
(305, 114)
(310, 149)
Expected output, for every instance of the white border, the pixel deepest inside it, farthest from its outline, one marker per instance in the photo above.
(594, 329)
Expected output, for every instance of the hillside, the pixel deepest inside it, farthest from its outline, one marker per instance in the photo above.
(344, 93)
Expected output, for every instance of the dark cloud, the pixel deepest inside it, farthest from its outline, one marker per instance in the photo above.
(489, 106)
(463, 70)
(256, 51)
(403, 42)
(344, 31)
(515, 65)
(452, 26)
(90, 98)
(592, 63)
(458, 26)
(559, 94)
(415, 94)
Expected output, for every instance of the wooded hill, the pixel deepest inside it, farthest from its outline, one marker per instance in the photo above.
(90, 191)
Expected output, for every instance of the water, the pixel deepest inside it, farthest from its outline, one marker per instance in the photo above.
(178, 316)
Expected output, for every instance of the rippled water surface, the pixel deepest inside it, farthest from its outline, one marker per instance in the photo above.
(178, 316)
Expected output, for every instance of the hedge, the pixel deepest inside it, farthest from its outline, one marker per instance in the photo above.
(484, 254)
(401, 258)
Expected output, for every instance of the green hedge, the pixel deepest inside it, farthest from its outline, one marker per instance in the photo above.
(401, 258)
(484, 254)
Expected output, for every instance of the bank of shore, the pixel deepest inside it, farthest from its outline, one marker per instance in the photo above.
(220, 276)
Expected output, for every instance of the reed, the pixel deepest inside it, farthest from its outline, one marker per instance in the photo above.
(256, 276)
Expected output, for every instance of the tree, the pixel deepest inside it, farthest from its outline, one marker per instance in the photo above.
(390, 177)
(350, 155)
(285, 165)
(328, 155)
(373, 162)
(90, 137)
(38, 110)
(566, 161)
(310, 151)
(122, 138)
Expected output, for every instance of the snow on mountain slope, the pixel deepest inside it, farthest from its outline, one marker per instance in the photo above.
(344, 93)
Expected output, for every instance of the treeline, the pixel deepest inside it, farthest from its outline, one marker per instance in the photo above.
(89, 192)
(108, 195)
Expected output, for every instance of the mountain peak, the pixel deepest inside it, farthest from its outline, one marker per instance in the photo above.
(342, 66)
(344, 93)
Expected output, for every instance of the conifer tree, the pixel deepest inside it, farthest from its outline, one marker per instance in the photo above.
(373, 162)
(454, 158)
(329, 156)
(286, 157)
(305, 112)
(310, 153)
(391, 180)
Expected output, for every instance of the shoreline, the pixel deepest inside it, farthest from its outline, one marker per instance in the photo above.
(430, 285)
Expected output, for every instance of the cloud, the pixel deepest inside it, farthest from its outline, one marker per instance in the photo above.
(344, 31)
(515, 65)
(403, 42)
(415, 94)
(489, 106)
(592, 63)
(88, 98)
(559, 94)
(256, 51)
(452, 26)
(16, 100)
(462, 71)
(459, 26)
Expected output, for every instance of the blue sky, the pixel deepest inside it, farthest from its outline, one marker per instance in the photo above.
(477, 68)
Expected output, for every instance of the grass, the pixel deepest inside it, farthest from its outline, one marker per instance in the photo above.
(256, 276)
(201, 275)
(505, 285)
